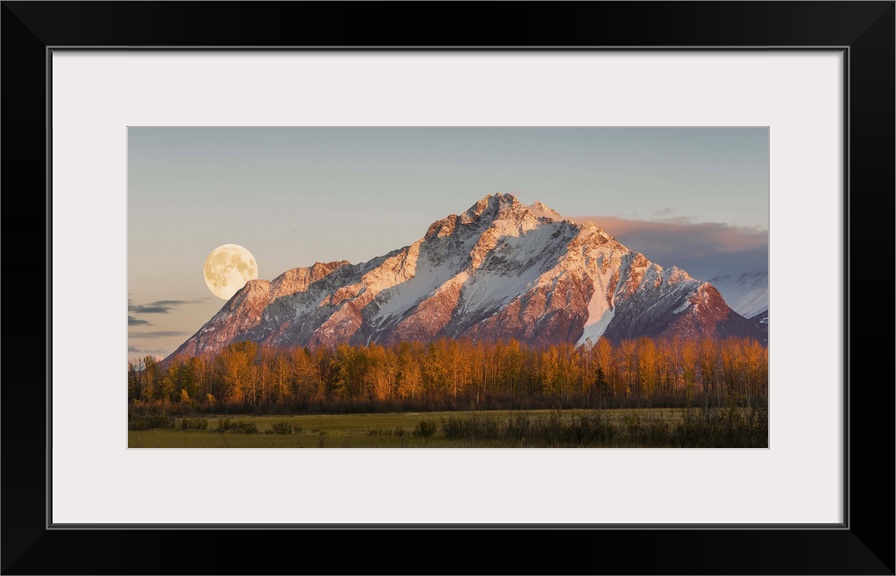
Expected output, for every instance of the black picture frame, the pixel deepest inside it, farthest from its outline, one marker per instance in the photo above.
(864, 544)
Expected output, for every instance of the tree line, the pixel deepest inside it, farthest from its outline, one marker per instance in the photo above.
(458, 375)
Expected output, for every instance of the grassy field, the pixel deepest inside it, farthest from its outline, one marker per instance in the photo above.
(495, 429)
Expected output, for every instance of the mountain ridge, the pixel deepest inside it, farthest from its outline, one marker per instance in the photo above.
(499, 270)
(746, 294)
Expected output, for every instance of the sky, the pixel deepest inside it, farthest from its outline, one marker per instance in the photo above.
(696, 198)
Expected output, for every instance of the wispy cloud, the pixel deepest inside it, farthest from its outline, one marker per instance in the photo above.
(147, 351)
(159, 306)
(703, 249)
(157, 334)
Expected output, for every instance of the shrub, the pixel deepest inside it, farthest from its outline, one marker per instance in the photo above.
(281, 428)
(425, 429)
(194, 424)
(239, 426)
(472, 428)
(518, 428)
(151, 422)
(453, 427)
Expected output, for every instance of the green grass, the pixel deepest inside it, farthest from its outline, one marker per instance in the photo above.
(494, 429)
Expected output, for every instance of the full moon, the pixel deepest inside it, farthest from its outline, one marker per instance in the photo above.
(228, 268)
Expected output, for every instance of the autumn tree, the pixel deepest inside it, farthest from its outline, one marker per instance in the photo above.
(690, 356)
(647, 368)
(410, 377)
(627, 361)
(235, 367)
(149, 378)
(382, 373)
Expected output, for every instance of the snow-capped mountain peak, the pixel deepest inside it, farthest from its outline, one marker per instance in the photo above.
(542, 211)
(499, 270)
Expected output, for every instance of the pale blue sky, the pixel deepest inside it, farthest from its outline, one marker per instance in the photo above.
(295, 196)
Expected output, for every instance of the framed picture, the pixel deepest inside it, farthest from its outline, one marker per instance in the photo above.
(817, 76)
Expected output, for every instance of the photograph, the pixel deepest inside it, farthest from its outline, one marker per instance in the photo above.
(447, 287)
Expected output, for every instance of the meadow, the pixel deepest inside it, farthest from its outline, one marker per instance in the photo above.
(731, 427)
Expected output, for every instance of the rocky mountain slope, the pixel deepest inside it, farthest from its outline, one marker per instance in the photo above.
(746, 294)
(499, 270)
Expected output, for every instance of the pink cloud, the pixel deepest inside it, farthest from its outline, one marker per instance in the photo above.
(704, 249)
(674, 234)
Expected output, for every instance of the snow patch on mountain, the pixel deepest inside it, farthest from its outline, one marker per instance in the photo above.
(428, 277)
(595, 326)
(746, 294)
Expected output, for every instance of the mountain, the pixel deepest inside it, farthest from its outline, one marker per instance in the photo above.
(746, 294)
(500, 270)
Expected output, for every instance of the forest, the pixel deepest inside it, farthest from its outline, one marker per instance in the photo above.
(449, 374)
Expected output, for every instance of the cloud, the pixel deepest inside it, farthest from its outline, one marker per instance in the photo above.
(159, 306)
(147, 351)
(157, 334)
(711, 265)
(703, 249)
